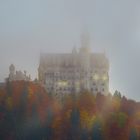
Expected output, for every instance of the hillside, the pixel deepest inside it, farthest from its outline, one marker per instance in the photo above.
(27, 112)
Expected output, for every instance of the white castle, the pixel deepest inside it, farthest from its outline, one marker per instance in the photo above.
(75, 72)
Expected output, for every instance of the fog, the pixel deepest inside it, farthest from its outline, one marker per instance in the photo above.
(32, 26)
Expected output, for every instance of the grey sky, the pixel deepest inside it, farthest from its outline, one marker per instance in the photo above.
(28, 27)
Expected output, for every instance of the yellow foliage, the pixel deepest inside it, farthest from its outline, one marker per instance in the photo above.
(137, 115)
(116, 103)
(86, 119)
(30, 93)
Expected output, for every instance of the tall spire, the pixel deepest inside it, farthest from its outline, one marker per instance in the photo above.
(85, 42)
(85, 39)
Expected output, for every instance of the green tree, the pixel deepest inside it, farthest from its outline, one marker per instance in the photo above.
(117, 94)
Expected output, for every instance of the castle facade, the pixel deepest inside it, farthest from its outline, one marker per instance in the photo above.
(74, 72)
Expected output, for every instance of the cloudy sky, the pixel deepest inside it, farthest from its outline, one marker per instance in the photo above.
(28, 27)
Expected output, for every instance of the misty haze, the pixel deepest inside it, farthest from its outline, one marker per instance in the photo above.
(67, 62)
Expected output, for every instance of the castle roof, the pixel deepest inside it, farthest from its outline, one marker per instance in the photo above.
(98, 59)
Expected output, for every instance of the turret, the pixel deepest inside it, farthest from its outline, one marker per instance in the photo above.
(85, 58)
(11, 72)
(12, 69)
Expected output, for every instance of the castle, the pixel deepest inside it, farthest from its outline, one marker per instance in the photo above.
(17, 75)
(74, 72)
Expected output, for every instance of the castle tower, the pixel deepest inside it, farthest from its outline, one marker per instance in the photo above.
(75, 80)
(41, 69)
(85, 58)
(74, 55)
(85, 42)
(11, 72)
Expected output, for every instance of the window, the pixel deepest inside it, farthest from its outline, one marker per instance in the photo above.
(104, 78)
(96, 77)
(94, 84)
(103, 84)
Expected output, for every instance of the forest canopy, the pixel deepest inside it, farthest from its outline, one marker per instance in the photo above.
(28, 112)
